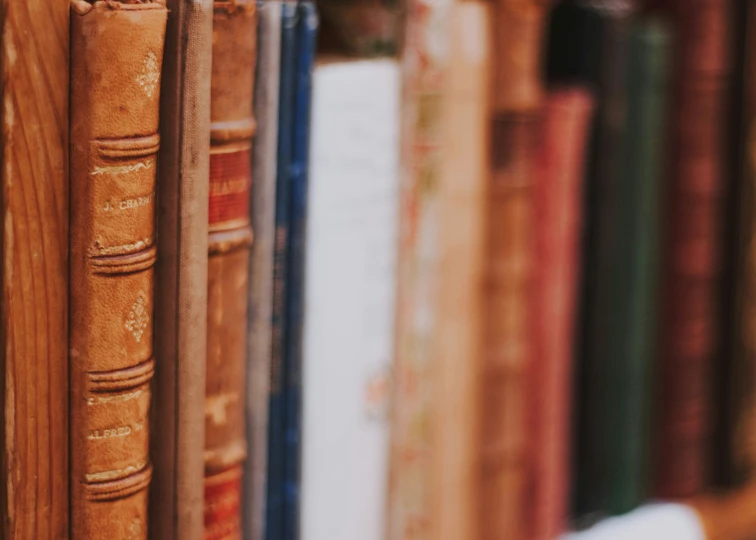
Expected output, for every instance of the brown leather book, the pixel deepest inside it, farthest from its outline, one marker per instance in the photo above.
(34, 112)
(509, 248)
(564, 136)
(176, 497)
(115, 84)
(229, 242)
(691, 337)
(736, 438)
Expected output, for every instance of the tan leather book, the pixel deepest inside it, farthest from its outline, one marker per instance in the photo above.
(433, 476)
(117, 53)
(510, 242)
(176, 497)
(230, 238)
(457, 344)
(35, 269)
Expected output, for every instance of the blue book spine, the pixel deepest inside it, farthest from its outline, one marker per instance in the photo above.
(307, 28)
(274, 521)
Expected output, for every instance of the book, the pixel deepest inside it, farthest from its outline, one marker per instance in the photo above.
(262, 205)
(636, 227)
(232, 126)
(424, 72)
(735, 444)
(274, 516)
(602, 68)
(433, 453)
(176, 495)
(306, 34)
(564, 133)
(35, 194)
(114, 144)
(456, 346)
(509, 249)
(351, 239)
(691, 332)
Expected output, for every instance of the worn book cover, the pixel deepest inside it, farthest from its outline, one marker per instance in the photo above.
(262, 209)
(232, 127)
(114, 146)
(433, 490)
(564, 130)
(181, 274)
(598, 59)
(691, 332)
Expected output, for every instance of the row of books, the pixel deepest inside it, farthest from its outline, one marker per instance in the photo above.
(572, 329)
(496, 288)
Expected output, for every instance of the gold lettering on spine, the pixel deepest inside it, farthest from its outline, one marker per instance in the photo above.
(128, 204)
(232, 186)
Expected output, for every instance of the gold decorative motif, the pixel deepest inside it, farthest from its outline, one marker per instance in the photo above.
(150, 75)
(114, 474)
(121, 169)
(138, 318)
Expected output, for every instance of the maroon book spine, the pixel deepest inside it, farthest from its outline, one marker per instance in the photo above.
(564, 131)
(695, 199)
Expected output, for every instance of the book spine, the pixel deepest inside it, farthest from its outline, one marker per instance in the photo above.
(351, 256)
(736, 403)
(114, 142)
(453, 378)
(232, 126)
(307, 27)
(509, 243)
(262, 203)
(424, 75)
(604, 70)
(691, 335)
(35, 194)
(564, 133)
(176, 496)
(274, 521)
(634, 273)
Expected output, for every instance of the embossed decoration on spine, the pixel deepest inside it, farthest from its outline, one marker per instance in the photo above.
(229, 243)
(114, 142)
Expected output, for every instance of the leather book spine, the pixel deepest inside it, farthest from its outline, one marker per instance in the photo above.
(634, 274)
(114, 142)
(691, 339)
(736, 434)
(424, 71)
(509, 249)
(34, 307)
(176, 497)
(603, 68)
(262, 204)
(456, 347)
(307, 27)
(274, 520)
(564, 134)
(232, 126)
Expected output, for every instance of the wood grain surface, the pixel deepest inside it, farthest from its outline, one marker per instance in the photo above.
(34, 333)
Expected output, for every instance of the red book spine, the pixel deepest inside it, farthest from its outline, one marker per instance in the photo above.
(564, 133)
(695, 198)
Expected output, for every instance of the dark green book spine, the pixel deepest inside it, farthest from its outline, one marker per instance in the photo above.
(634, 279)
